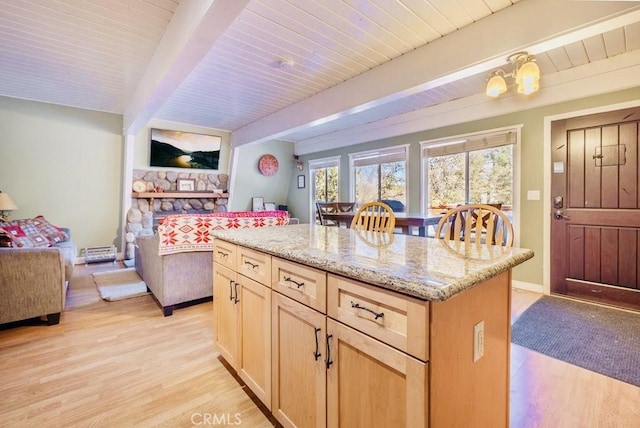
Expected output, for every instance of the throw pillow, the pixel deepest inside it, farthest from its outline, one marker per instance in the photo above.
(53, 233)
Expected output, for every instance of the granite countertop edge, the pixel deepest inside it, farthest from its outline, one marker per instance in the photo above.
(396, 283)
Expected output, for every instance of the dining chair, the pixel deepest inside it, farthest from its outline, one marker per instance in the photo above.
(346, 207)
(326, 207)
(374, 216)
(479, 223)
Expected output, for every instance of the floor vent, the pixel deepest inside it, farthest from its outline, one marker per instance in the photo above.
(100, 254)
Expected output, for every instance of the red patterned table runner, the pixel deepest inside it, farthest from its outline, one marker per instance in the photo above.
(192, 232)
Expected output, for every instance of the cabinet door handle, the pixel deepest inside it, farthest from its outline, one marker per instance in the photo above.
(231, 290)
(328, 361)
(223, 254)
(364, 308)
(235, 286)
(298, 284)
(317, 354)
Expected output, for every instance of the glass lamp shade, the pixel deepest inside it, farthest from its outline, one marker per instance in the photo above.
(528, 78)
(6, 203)
(496, 86)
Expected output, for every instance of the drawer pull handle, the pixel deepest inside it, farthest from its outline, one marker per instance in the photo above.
(364, 308)
(231, 290)
(317, 354)
(298, 284)
(223, 254)
(328, 361)
(251, 264)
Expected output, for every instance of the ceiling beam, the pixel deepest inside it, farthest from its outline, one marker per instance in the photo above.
(196, 25)
(580, 82)
(533, 25)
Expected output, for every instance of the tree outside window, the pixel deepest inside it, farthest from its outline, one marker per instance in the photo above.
(489, 172)
(380, 176)
(325, 184)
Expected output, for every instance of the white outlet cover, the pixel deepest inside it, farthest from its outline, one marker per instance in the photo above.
(478, 341)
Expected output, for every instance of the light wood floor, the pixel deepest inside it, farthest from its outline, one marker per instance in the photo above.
(124, 364)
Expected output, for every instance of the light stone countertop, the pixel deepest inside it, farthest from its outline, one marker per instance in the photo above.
(426, 268)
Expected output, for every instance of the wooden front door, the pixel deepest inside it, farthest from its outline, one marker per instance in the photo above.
(595, 208)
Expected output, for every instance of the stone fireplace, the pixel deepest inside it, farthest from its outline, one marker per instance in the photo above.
(142, 217)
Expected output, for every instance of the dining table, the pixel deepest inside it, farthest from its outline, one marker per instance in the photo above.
(406, 222)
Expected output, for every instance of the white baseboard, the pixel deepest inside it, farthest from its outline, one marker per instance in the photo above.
(528, 286)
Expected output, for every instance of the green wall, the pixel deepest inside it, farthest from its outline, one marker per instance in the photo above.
(247, 181)
(531, 169)
(66, 164)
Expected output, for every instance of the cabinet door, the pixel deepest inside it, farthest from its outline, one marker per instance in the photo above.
(225, 332)
(253, 363)
(370, 384)
(299, 371)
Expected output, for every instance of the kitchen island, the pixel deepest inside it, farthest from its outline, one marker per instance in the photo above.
(335, 327)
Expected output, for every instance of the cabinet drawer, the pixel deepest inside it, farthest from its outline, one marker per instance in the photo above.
(254, 265)
(392, 318)
(224, 253)
(302, 283)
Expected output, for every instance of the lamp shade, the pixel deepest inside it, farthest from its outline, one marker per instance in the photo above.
(496, 86)
(528, 78)
(6, 203)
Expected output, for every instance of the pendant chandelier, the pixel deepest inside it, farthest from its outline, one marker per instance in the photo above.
(525, 73)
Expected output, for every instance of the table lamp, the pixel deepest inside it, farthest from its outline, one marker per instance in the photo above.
(6, 204)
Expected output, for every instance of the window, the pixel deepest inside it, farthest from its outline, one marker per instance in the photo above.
(477, 168)
(324, 180)
(380, 175)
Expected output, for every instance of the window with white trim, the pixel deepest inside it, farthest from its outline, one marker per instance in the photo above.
(477, 168)
(325, 179)
(380, 175)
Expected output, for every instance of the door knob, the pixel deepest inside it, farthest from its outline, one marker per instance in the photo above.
(558, 215)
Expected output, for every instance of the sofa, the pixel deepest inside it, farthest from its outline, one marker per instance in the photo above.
(34, 270)
(176, 262)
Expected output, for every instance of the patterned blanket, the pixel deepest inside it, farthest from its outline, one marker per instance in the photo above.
(192, 232)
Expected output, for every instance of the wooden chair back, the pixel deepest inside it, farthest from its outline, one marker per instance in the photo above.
(345, 207)
(326, 207)
(479, 223)
(332, 207)
(374, 216)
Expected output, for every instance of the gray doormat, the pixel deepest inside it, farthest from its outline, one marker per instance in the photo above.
(600, 339)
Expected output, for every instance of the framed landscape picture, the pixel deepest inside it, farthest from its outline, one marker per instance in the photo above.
(175, 149)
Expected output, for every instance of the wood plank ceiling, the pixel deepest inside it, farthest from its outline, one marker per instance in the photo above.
(149, 59)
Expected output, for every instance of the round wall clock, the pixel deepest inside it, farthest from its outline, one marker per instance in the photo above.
(268, 165)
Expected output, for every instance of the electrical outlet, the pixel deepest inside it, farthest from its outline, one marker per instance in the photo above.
(478, 341)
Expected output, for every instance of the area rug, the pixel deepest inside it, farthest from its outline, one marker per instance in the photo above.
(119, 284)
(600, 339)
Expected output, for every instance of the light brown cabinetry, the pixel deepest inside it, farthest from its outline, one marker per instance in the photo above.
(344, 353)
(225, 254)
(242, 320)
(254, 265)
(328, 374)
(225, 308)
(304, 284)
(392, 318)
(299, 371)
(371, 384)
